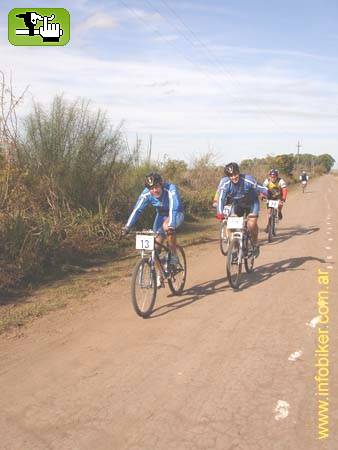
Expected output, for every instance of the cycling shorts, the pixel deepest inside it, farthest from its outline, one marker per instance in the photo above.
(253, 209)
(158, 222)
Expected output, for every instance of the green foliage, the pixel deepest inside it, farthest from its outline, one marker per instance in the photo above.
(326, 161)
(74, 181)
(75, 148)
(285, 163)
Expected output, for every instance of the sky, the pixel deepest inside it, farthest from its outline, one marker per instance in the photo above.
(238, 78)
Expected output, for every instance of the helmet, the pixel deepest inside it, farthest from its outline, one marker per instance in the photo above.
(231, 169)
(273, 172)
(152, 179)
(303, 171)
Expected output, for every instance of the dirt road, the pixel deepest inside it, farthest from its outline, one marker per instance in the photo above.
(208, 370)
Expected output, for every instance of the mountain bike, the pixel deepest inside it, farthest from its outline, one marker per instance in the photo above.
(303, 183)
(223, 231)
(144, 279)
(273, 218)
(241, 250)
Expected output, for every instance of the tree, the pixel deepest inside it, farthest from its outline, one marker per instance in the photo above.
(326, 161)
(285, 163)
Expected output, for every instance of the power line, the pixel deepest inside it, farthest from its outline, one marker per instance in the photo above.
(206, 72)
(208, 53)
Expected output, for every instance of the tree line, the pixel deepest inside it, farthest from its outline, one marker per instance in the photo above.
(69, 179)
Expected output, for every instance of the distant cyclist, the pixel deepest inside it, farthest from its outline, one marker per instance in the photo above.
(165, 198)
(243, 190)
(303, 178)
(277, 189)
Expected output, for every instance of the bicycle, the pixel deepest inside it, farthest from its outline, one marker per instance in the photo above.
(241, 249)
(303, 183)
(273, 218)
(144, 278)
(223, 231)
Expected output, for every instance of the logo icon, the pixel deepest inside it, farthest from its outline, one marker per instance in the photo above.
(38, 26)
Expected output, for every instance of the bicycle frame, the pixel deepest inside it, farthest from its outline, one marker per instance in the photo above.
(240, 235)
(154, 255)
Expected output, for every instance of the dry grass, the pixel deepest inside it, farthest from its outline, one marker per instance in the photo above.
(21, 308)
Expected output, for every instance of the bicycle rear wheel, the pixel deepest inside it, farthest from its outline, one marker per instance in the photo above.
(223, 239)
(178, 275)
(234, 263)
(143, 288)
(249, 258)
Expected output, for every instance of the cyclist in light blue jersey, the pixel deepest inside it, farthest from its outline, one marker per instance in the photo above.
(165, 198)
(243, 191)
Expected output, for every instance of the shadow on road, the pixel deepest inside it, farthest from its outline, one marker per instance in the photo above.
(260, 274)
(284, 234)
(191, 295)
(263, 273)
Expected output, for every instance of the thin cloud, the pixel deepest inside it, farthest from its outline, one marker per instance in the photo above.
(230, 50)
(97, 20)
(209, 8)
(177, 100)
(167, 38)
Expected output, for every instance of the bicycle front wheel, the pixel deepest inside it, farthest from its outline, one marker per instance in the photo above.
(234, 263)
(270, 227)
(143, 288)
(178, 274)
(274, 223)
(223, 239)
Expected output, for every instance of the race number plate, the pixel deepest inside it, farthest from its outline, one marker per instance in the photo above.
(273, 204)
(235, 223)
(227, 210)
(145, 242)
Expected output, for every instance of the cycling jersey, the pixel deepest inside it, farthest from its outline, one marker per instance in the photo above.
(244, 193)
(168, 205)
(277, 189)
(303, 177)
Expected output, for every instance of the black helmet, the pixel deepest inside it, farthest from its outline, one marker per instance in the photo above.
(273, 172)
(152, 179)
(231, 169)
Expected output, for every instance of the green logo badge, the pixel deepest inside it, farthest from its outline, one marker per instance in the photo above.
(38, 26)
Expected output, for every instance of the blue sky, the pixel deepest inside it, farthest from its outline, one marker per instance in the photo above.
(238, 78)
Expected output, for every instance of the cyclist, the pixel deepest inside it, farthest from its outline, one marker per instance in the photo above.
(165, 198)
(303, 177)
(243, 190)
(277, 190)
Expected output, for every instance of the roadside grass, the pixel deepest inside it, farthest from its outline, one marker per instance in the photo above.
(75, 282)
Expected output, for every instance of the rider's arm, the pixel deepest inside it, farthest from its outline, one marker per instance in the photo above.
(264, 191)
(139, 207)
(252, 185)
(175, 205)
(284, 189)
(215, 200)
(223, 191)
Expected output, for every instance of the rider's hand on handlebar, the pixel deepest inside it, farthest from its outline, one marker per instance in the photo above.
(219, 216)
(171, 230)
(125, 231)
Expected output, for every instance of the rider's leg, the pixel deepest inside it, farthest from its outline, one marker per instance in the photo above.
(268, 211)
(157, 228)
(253, 227)
(171, 237)
(253, 219)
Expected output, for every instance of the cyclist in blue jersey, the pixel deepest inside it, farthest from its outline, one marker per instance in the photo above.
(243, 191)
(166, 200)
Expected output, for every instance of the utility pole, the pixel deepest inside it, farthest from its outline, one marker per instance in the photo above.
(298, 147)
